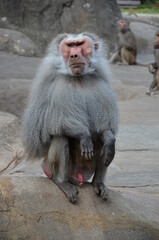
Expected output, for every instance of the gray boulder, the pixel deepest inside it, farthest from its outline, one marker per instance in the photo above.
(10, 142)
(13, 95)
(34, 208)
(16, 42)
(42, 20)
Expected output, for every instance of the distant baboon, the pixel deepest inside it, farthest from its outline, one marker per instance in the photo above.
(72, 116)
(154, 67)
(126, 49)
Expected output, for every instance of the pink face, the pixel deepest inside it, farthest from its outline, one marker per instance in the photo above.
(122, 24)
(76, 54)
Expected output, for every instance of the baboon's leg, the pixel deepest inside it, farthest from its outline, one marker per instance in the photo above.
(99, 178)
(157, 79)
(153, 84)
(115, 58)
(127, 57)
(103, 157)
(57, 161)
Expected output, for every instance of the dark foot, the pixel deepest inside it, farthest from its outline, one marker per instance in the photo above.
(108, 152)
(86, 147)
(148, 93)
(69, 190)
(101, 190)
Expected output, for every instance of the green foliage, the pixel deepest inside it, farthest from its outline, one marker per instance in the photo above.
(150, 7)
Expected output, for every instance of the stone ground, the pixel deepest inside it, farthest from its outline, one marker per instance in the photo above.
(32, 207)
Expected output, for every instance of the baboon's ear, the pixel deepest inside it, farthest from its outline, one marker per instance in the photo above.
(96, 45)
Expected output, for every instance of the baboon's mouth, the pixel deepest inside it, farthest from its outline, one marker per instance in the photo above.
(76, 64)
(77, 68)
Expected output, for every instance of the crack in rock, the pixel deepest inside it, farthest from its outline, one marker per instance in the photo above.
(147, 185)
